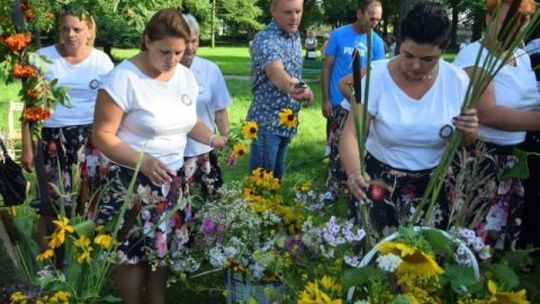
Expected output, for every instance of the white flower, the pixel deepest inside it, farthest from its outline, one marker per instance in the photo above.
(461, 250)
(353, 261)
(388, 262)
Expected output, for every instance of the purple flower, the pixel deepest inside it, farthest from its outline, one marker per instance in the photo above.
(220, 228)
(294, 245)
(208, 227)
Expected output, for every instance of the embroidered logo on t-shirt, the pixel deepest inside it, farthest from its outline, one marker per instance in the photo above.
(94, 84)
(186, 100)
(446, 131)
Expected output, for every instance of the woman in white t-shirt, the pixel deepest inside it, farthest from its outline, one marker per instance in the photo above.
(200, 160)
(414, 105)
(148, 103)
(508, 108)
(77, 65)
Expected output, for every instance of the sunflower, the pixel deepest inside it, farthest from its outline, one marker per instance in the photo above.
(313, 295)
(499, 297)
(287, 118)
(239, 150)
(414, 260)
(249, 130)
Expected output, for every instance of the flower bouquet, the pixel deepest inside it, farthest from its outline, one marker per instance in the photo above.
(427, 265)
(246, 233)
(239, 138)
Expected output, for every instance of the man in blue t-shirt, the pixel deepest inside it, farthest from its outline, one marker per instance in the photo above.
(338, 64)
(338, 59)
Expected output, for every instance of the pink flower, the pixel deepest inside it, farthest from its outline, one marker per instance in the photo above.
(161, 244)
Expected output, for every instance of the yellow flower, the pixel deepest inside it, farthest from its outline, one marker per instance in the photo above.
(62, 296)
(304, 187)
(499, 297)
(313, 295)
(18, 297)
(83, 243)
(414, 260)
(57, 239)
(45, 255)
(103, 240)
(250, 130)
(287, 118)
(239, 150)
(327, 282)
(62, 223)
(59, 235)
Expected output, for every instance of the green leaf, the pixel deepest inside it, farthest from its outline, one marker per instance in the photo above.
(461, 279)
(437, 241)
(358, 277)
(85, 228)
(517, 258)
(521, 169)
(111, 299)
(504, 275)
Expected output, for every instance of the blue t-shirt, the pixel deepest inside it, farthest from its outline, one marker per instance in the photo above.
(342, 42)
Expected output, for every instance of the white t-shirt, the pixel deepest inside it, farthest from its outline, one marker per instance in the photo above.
(157, 115)
(82, 79)
(405, 133)
(515, 88)
(213, 96)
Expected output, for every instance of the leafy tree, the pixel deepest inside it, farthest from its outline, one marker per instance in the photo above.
(339, 12)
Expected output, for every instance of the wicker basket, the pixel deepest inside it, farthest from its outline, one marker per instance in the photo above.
(371, 254)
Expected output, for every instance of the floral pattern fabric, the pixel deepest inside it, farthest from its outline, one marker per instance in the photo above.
(396, 205)
(149, 233)
(269, 45)
(502, 222)
(336, 181)
(203, 174)
(66, 147)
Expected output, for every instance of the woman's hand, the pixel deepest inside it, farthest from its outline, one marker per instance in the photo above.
(467, 122)
(217, 141)
(156, 171)
(357, 183)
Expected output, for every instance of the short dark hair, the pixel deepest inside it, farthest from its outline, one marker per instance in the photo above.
(167, 22)
(364, 4)
(427, 23)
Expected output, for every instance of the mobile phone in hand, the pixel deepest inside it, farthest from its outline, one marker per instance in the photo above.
(300, 85)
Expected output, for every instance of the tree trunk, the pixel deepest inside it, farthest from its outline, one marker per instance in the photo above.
(18, 17)
(455, 21)
(213, 24)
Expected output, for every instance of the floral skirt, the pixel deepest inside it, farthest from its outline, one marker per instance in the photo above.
(394, 204)
(336, 181)
(502, 223)
(203, 174)
(66, 147)
(150, 231)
